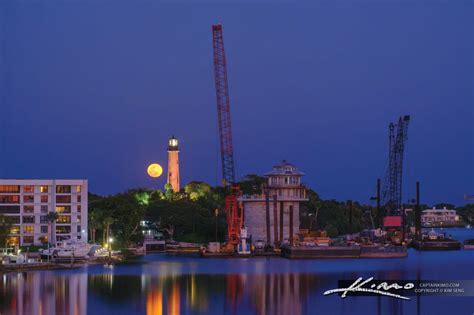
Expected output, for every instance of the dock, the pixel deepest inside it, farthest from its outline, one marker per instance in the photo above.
(301, 252)
(446, 244)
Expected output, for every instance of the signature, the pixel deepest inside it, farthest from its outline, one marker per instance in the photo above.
(381, 289)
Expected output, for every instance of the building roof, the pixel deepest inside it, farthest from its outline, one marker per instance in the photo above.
(284, 168)
(392, 221)
(438, 210)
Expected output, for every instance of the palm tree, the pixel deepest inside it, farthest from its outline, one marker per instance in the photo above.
(94, 224)
(107, 222)
(52, 217)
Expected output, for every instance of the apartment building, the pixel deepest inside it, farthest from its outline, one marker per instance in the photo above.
(28, 202)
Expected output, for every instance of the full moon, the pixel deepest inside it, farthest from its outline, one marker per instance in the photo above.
(154, 170)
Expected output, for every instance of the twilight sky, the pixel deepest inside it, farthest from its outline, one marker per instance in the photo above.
(93, 89)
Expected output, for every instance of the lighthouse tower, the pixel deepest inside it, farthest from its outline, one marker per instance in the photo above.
(173, 164)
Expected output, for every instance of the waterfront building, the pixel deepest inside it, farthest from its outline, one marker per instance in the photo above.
(274, 215)
(28, 201)
(439, 216)
(173, 164)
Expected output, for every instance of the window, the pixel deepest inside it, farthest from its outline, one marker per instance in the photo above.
(79, 208)
(44, 199)
(63, 199)
(28, 239)
(29, 198)
(9, 189)
(78, 229)
(30, 229)
(13, 240)
(44, 189)
(44, 219)
(64, 219)
(28, 209)
(44, 209)
(9, 209)
(10, 199)
(79, 198)
(14, 219)
(63, 229)
(63, 189)
(78, 219)
(78, 188)
(63, 209)
(29, 189)
(15, 230)
(28, 219)
(44, 229)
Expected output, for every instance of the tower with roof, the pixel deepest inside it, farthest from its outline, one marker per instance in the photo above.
(173, 164)
(274, 215)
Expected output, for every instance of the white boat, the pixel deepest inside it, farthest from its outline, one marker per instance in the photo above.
(72, 248)
(8, 256)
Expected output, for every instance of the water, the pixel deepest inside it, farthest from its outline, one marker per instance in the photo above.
(161, 284)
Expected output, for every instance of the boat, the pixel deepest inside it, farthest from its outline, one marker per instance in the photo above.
(312, 252)
(436, 241)
(69, 249)
(382, 251)
(8, 256)
(468, 244)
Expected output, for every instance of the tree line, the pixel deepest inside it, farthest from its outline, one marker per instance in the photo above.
(197, 214)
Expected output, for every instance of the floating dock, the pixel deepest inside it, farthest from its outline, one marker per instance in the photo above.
(374, 251)
(468, 244)
(306, 252)
(446, 244)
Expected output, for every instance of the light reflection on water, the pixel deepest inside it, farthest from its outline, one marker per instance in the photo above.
(162, 284)
(43, 293)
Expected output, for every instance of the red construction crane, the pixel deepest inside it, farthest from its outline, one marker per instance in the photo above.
(234, 214)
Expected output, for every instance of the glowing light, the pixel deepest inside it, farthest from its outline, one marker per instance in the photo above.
(154, 303)
(154, 170)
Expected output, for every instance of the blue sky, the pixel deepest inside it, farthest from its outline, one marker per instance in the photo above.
(93, 89)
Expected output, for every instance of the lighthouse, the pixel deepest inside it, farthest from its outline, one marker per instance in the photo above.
(173, 164)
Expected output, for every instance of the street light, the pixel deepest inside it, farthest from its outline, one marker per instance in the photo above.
(110, 246)
(216, 214)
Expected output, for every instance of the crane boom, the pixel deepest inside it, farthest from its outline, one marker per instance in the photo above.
(392, 192)
(234, 213)
(223, 106)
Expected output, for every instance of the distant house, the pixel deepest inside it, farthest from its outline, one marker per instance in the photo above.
(439, 216)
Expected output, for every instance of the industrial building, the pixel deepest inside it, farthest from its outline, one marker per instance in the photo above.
(274, 215)
(28, 201)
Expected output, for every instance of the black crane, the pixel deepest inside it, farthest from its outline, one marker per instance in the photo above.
(392, 188)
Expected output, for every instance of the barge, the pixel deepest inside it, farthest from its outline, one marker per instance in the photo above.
(436, 241)
(468, 244)
(383, 251)
(320, 252)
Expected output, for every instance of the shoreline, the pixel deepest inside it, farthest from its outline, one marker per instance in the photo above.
(4, 269)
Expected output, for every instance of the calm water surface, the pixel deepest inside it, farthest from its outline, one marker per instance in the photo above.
(161, 284)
